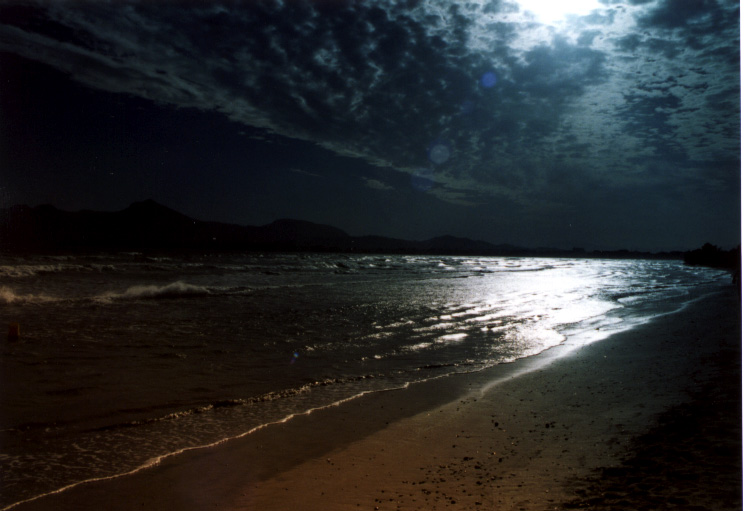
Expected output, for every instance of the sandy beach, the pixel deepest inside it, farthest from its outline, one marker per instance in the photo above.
(649, 418)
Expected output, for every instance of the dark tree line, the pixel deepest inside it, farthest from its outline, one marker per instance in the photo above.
(714, 257)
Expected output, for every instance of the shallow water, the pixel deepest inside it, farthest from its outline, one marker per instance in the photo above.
(128, 357)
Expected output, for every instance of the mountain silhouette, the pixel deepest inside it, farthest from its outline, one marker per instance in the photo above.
(148, 225)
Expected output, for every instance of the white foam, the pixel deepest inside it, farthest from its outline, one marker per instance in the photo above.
(9, 296)
(172, 290)
(159, 459)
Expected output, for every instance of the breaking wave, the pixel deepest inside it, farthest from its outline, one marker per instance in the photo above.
(177, 289)
(9, 296)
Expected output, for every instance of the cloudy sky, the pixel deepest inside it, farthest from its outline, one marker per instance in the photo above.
(594, 123)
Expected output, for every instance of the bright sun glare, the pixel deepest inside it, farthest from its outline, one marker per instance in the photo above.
(553, 11)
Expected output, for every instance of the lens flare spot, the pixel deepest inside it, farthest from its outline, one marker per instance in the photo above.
(439, 153)
(489, 79)
(294, 358)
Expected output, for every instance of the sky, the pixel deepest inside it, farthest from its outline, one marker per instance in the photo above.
(600, 124)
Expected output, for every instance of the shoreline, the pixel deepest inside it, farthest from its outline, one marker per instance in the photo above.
(504, 437)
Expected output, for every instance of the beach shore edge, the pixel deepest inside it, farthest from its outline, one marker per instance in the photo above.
(538, 439)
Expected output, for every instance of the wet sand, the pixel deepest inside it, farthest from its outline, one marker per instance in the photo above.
(645, 419)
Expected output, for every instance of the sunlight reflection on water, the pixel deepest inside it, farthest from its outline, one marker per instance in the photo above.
(220, 344)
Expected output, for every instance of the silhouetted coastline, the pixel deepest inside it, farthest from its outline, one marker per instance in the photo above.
(714, 257)
(150, 226)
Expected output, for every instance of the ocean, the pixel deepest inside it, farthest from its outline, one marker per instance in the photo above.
(126, 358)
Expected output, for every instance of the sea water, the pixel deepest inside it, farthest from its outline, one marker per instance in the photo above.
(125, 358)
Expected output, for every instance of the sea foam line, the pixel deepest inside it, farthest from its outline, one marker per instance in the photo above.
(178, 289)
(153, 462)
(173, 290)
(572, 342)
(9, 296)
(539, 361)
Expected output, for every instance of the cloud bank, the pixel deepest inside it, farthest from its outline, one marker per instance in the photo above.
(481, 98)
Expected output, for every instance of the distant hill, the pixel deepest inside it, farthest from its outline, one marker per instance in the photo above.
(148, 225)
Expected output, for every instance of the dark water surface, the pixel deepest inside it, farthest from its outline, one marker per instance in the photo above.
(125, 358)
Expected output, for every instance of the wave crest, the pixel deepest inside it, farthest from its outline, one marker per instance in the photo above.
(8, 296)
(177, 289)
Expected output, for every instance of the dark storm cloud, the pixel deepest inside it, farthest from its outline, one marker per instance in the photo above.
(377, 80)
(484, 100)
(673, 14)
(688, 109)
